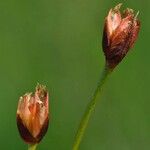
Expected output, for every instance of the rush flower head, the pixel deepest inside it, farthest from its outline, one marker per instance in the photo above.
(120, 33)
(32, 115)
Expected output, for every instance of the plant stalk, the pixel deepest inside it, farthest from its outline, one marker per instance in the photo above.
(32, 147)
(90, 108)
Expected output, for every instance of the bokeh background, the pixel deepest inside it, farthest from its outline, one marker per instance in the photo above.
(58, 43)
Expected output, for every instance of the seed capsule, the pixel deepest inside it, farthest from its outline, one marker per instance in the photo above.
(32, 115)
(120, 33)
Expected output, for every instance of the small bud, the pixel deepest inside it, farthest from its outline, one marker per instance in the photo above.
(32, 115)
(119, 35)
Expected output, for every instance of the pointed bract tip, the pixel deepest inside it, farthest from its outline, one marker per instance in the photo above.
(135, 17)
(40, 87)
(117, 7)
(128, 12)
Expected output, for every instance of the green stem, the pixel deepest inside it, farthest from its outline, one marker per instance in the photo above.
(32, 147)
(90, 108)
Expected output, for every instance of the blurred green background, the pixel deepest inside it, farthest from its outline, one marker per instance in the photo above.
(58, 43)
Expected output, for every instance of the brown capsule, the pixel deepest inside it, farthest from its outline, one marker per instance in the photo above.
(120, 33)
(33, 115)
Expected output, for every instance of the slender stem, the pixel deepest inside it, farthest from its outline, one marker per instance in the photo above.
(90, 108)
(32, 147)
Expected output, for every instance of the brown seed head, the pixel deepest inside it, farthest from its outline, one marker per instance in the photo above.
(32, 115)
(119, 35)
